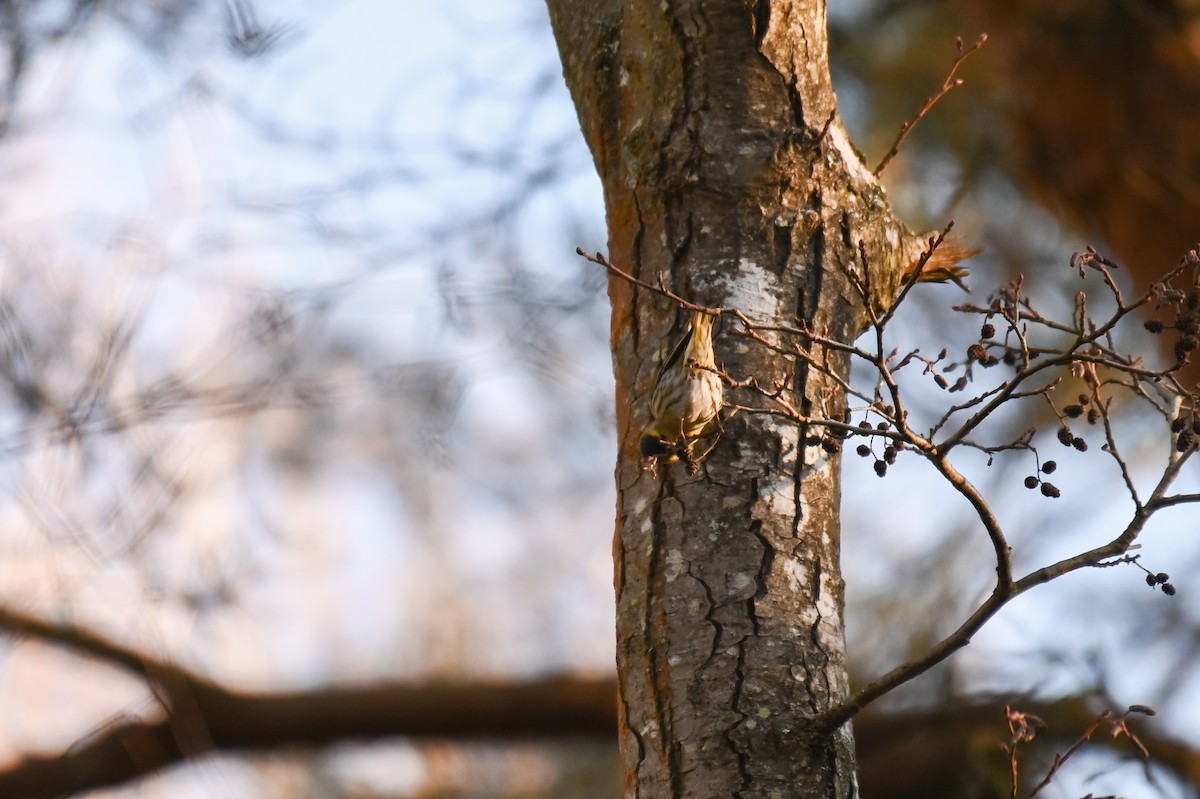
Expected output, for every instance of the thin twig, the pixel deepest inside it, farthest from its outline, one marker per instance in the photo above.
(947, 85)
(1090, 349)
(1117, 726)
(913, 279)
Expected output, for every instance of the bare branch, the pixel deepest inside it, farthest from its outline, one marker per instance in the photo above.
(200, 716)
(947, 85)
(1090, 353)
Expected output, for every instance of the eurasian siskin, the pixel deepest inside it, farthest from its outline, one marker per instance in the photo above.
(687, 393)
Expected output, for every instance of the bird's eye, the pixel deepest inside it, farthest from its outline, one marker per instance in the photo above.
(653, 446)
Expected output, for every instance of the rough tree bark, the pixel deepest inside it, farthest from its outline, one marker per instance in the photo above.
(714, 130)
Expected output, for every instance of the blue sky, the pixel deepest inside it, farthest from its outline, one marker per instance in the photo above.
(193, 186)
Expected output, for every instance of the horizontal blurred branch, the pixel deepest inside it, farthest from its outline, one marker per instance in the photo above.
(203, 717)
(902, 754)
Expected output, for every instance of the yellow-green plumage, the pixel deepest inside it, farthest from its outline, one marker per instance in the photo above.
(687, 393)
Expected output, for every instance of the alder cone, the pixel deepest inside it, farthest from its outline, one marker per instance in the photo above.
(1103, 99)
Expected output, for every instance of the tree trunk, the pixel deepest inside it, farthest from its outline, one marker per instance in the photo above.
(725, 167)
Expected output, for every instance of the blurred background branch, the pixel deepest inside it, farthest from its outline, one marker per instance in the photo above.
(305, 399)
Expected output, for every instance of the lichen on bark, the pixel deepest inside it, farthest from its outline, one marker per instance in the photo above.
(714, 130)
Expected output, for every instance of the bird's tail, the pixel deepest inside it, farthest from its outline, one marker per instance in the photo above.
(700, 348)
(943, 265)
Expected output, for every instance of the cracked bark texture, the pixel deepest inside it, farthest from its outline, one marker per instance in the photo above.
(714, 130)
